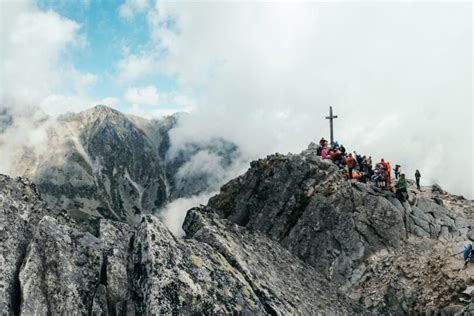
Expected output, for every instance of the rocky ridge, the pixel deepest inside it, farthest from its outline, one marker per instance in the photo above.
(143, 269)
(288, 236)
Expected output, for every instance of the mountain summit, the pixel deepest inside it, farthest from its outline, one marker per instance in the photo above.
(290, 236)
(101, 163)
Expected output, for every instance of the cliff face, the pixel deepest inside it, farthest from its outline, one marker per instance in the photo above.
(288, 236)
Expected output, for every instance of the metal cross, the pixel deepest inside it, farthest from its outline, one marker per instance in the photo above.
(330, 118)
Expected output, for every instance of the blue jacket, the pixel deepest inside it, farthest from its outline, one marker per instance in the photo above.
(467, 252)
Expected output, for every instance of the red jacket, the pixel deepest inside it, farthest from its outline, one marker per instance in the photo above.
(350, 162)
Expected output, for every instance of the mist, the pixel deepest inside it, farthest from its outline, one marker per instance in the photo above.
(173, 213)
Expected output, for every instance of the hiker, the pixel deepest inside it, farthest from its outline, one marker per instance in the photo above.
(338, 158)
(467, 253)
(401, 187)
(323, 142)
(388, 175)
(350, 162)
(397, 171)
(379, 176)
(360, 161)
(363, 166)
(343, 149)
(324, 153)
(417, 177)
(386, 167)
(364, 177)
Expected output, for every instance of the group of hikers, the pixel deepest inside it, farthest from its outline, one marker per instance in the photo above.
(361, 168)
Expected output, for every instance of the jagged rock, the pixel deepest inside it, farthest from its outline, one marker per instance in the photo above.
(115, 267)
(330, 228)
(61, 270)
(99, 305)
(282, 284)
(173, 276)
(469, 291)
(20, 210)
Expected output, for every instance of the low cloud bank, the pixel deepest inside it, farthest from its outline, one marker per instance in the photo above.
(173, 213)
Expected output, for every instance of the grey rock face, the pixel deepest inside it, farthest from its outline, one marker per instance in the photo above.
(115, 267)
(61, 270)
(185, 277)
(282, 283)
(305, 204)
(144, 269)
(109, 168)
(20, 210)
(342, 229)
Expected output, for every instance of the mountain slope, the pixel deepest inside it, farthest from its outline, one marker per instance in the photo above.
(101, 163)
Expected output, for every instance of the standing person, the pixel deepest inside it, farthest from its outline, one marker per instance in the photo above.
(417, 177)
(401, 187)
(467, 253)
(397, 171)
(350, 162)
(386, 168)
(389, 175)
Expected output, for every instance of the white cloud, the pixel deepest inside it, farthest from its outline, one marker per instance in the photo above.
(110, 101)
(148, 102)
(34, 70)
(147, 112)
(267, 73)
(173, 213)
(147, 95)
(131, 7)
(32, 44)
(134, 66)
(57, 104)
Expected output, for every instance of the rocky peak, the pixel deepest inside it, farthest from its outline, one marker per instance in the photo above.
(339, 227)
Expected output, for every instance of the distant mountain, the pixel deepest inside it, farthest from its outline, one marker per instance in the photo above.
(101, 163)
(6, 119)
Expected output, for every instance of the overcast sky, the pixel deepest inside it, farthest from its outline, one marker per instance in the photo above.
(262, 74)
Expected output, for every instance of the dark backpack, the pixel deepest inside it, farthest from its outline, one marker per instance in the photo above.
(319, 151)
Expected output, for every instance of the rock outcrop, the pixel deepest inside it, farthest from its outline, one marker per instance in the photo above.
(142, 269)
(290, 236)
(361, 237)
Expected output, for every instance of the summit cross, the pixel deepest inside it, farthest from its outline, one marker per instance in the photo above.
(331, 117)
